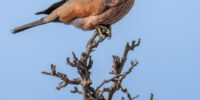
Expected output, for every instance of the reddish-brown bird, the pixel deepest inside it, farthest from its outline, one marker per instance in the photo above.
(84, 14)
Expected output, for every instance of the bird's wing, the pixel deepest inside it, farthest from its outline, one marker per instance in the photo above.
(52, 7)
(112, 3)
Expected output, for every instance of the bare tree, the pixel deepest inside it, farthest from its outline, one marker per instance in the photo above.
(85, 63)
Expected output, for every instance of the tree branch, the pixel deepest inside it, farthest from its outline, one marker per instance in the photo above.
(85, 63)
(63, 77)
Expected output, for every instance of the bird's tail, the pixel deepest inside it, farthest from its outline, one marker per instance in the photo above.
(30, 25)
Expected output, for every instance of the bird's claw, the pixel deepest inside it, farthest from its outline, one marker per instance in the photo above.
(99, 30)
(104, 31)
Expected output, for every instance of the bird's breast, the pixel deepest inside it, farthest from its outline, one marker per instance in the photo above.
(80, 9)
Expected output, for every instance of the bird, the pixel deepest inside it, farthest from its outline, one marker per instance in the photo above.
(84, 14)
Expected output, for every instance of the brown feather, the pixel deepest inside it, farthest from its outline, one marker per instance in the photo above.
(78, 9)
(29, 25)
(116, 11)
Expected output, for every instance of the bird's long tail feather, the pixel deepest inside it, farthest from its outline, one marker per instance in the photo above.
(30, 25)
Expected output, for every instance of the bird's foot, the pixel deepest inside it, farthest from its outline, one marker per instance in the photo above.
(99, 30)
(104, 31)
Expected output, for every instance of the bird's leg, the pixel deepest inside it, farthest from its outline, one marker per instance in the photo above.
(99, 30)
(104, 30)
(109, 31)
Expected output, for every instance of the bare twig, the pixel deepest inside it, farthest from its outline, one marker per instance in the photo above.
(118, 65)
(113, 79)
(76, 90)
(151, 98)
(117, 77)
(63, 77)
(128, 94)
(135, 97)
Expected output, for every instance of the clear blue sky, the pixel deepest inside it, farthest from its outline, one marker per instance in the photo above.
(169, 55)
